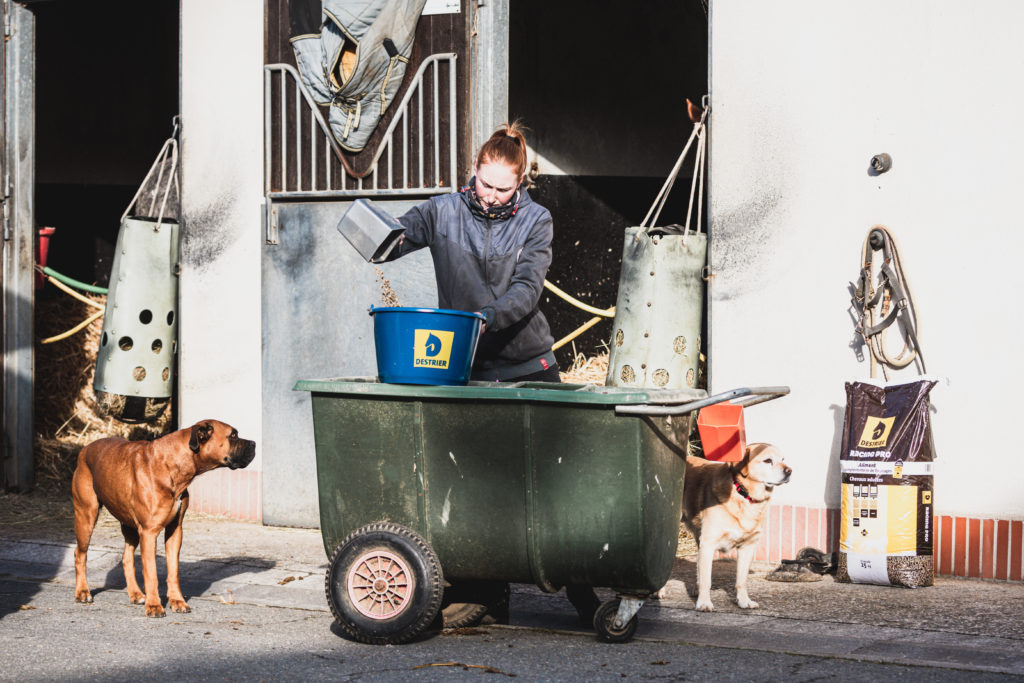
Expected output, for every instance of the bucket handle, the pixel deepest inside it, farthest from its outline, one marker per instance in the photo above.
(755, 395)
(170, 147)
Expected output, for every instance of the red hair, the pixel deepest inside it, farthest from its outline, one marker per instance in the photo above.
(507, 145)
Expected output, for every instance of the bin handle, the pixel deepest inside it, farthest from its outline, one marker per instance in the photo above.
(755, 395)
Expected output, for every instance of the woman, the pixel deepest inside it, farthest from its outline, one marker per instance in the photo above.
(491, 246)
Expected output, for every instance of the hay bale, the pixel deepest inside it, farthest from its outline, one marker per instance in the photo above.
(586, 370)
(67, 414)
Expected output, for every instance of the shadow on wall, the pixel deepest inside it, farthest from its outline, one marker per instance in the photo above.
(833, 477)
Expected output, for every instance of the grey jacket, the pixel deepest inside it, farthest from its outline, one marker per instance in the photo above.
(495, 267)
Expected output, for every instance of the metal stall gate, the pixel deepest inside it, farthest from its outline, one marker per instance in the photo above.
(316, 288)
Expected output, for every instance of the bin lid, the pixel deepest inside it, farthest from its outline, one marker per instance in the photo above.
(510, 391)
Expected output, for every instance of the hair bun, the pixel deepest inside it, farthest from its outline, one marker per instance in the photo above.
(497, 149)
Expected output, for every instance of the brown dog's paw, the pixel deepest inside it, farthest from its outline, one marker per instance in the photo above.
(155, 611)
(83, 598)
(137, 598)
(179, 606)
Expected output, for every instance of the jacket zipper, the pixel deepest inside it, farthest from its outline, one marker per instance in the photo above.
(487, 256)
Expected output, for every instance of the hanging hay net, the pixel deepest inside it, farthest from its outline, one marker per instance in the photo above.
(67, 412)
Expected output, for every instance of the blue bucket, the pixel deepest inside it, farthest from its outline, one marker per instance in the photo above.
(425, 345)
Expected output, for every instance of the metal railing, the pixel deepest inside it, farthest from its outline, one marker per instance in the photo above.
(303, 158)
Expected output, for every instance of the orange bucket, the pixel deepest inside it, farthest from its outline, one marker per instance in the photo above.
(722, 433)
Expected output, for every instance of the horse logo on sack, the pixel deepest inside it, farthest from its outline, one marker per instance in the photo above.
(876, 432)
(432, 348)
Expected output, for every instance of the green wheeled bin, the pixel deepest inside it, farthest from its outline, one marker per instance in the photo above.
(550, 484)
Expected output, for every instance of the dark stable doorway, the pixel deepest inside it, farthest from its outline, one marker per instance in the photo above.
(107, 91)
(603, 88)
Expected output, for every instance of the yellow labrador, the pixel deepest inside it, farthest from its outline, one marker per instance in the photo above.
(724, 506)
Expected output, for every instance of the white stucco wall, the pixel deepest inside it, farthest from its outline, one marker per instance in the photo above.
(804, 93)
(222, 153)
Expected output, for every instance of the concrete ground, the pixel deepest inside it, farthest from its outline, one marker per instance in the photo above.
(961, 624)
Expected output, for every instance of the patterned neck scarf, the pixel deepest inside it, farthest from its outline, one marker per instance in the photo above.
(493, 213)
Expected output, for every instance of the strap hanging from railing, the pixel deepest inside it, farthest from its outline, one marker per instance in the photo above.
(696, 135)
(169, 149)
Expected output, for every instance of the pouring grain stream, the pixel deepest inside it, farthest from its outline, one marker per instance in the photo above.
(387, 295)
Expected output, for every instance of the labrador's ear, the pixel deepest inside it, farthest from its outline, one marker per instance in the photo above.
(741, 466)
(201, 433)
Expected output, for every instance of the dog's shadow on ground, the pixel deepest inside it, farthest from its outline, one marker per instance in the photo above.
(196, 577)
(682, 582)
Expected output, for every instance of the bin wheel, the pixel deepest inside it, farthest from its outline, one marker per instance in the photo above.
(604, 623)
(462, 614)
(384, 584)
(472, 602)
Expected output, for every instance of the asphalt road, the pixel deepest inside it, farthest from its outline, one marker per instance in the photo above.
(259, 613)
(47, 637)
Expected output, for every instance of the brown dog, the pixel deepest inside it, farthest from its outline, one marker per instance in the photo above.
(724, 506)
(144, 485)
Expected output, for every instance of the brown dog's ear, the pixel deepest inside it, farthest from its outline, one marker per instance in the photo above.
(201, 433)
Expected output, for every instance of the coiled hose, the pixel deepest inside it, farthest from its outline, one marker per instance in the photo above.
(65, 284)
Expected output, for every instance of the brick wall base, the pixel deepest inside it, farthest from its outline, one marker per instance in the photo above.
(964, 546)
(235, 494)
